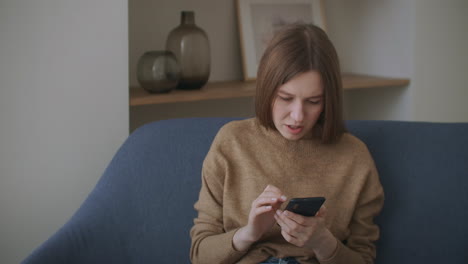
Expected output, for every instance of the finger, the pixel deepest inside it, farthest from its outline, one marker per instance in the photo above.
(288, 237)
(262, 210)
(281, 222)
(275, 191)
(271, 195)
(296, 219)
(322, 212)
(290, 226)
(272, 188)
(280, 198)
(264, 201)
(283, 198)
(296, 234)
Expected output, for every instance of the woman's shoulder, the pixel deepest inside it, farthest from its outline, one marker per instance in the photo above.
(232, 135)
(353, 144)
(348, 138)
(236, 128)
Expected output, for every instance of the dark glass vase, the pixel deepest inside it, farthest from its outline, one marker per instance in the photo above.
(191, 47)
(158, 71)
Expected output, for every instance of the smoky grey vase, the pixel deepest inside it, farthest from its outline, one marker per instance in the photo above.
(191, 46)
(158, 71)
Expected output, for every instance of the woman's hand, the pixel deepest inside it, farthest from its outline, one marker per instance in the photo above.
(307, 232)
(261, 217)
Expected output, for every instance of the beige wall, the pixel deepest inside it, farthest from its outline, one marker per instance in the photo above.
(440, 60)
(374, 37)
(63, 111)
(421, 40)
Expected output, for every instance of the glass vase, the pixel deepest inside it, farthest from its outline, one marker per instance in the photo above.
(158, 71)
(191, 47)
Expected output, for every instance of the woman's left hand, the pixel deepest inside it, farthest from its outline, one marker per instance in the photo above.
(307, 232)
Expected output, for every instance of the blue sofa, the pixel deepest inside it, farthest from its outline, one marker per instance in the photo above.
(141, 210)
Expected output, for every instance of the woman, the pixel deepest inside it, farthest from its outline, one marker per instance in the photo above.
(296, 146)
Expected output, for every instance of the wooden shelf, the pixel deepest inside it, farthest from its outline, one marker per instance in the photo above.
(236, 89)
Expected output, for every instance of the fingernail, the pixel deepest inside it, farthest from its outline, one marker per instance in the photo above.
(284, 198)
(286, 213)
(278, 212)
(274, 199)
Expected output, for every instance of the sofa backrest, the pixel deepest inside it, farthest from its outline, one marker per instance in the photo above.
(141, 210)
(423, 168)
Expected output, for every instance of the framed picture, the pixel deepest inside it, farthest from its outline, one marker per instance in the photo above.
(258, 20)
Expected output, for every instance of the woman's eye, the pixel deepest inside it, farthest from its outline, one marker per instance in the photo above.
(285, 98)
(314, 102)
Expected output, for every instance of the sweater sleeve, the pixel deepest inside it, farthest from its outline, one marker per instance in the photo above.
(211, 243)
(360, 247)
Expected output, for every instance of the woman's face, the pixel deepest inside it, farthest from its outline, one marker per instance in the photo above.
(298, 105)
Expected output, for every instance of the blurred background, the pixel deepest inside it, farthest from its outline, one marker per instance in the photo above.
(66, 68)
(424, 41)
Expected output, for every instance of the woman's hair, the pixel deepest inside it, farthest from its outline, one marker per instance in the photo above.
(296, 49)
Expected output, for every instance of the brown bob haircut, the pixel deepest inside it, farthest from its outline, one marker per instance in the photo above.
(296, 49)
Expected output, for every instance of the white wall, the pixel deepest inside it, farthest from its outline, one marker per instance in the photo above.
(440, 52)
(63, 111)
(374, 37)
(424, 40)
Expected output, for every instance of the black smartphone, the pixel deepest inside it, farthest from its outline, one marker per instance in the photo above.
(305, 206)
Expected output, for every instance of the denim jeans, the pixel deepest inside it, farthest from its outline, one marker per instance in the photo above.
(288, 260)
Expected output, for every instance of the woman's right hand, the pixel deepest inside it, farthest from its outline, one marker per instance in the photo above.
(261, 218)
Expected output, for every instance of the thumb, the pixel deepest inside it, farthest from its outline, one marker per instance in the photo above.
(322, 212)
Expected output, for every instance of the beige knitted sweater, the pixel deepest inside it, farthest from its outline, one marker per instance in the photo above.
(245, 157)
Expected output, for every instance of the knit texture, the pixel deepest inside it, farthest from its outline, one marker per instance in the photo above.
(245, 157)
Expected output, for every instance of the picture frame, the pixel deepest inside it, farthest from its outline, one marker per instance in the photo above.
(259, 19)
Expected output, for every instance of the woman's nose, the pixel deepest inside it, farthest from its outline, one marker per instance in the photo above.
(297, 112)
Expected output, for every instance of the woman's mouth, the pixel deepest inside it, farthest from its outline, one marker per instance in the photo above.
(294, 129)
